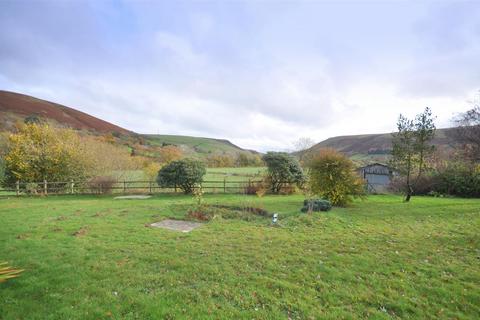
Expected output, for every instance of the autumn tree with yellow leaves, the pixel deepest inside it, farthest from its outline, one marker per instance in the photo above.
(38, 152)
(332, 176)
(41, 152)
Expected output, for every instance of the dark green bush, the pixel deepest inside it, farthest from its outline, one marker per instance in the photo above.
(185, 174)
(316, 205)
(459, 180)
(283, 170)
(2, 170)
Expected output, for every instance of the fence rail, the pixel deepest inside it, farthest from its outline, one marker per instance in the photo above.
(120, 187)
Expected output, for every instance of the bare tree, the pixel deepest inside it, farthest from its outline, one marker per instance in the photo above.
(467, 131)
(301, 147)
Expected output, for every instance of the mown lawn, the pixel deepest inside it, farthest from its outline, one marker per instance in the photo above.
(93, 258)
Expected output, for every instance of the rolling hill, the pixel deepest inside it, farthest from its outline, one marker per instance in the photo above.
(16, 107)
(374, 147)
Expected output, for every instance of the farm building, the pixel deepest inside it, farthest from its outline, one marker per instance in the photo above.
(377, 176)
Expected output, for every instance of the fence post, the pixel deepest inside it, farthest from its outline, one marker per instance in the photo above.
(45, 187)
(71, 186)
(150, 186)
(17, 184)
(224, 185)
(124, 186)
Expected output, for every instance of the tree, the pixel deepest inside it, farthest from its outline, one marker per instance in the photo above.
(246, 160)
(32, 119)
(104, 158)
(40, 152)
(424, 132)
(151, 170)
(301, 147)
(3, 150)
(411, 147)
(332, 176)
(467, 131)
(220, 161)
(283, 170)
(170, 153)
(185, 173)
(2, 170)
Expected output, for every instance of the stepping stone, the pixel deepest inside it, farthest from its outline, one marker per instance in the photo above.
(132, 197)
(177, 225)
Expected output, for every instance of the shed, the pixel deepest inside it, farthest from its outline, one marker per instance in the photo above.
(377, 176)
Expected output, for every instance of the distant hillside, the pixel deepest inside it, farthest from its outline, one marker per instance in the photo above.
(373, 147)
(198, 144)
(15, 107)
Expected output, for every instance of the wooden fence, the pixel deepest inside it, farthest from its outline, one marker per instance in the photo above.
(121, 187)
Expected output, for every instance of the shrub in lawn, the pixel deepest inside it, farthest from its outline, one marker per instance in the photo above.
(185, 173)
(101, 185)
(7, 272)
(333, 177)
(459, 179)
(258, 188)
(423, 185)
(316, 205)
(2, 170)
(283, 170)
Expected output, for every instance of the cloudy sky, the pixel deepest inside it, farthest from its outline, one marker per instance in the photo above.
(260, 73)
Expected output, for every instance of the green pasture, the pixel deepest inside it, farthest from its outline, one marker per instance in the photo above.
(88, 257)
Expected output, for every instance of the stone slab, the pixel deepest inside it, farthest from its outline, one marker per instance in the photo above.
(132, 197)
(177, 225)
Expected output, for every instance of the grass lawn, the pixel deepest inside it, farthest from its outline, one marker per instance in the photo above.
(93, 258)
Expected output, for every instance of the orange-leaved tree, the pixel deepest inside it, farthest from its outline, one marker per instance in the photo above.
(170, 153)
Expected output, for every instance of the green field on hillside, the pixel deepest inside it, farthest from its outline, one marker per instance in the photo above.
(198, 144)
(91, 257)
(234, 174)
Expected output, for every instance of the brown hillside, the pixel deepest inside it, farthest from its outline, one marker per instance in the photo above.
(374, 143)
(18, 106)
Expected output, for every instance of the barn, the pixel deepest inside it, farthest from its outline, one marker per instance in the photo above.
(377, 176)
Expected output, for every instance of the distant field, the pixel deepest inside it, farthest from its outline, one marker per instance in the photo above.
(213, 174)
(89, 257)
(197, 144)
(234, 174)
(235, 178)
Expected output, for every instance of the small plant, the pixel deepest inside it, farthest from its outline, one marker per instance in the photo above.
(198, 195)
(31, 188)
(316, 205)
(261, 192)
(307, 192)
(258, 188)
(7, 272)
(200, 211)
(102, 185)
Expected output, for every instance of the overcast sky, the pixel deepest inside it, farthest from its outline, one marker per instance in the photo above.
(259, 73)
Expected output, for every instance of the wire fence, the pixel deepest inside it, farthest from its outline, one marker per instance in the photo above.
(248, 186)
(122, 187)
